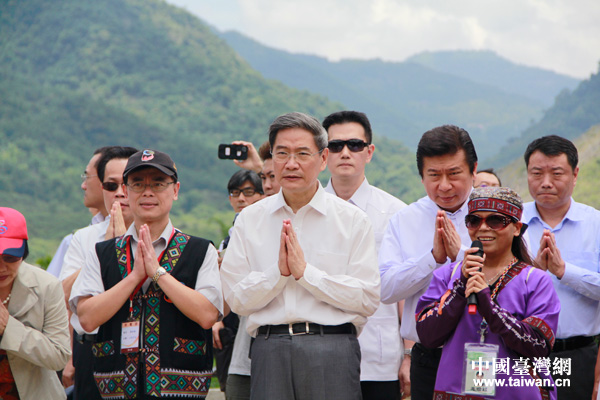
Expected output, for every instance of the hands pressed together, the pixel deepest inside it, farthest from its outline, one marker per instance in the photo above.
(146, 263)
(446, 240)
(291, 256)
(548, 257)
(116, 226)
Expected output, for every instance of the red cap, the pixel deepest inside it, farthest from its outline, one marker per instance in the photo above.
(13, 232)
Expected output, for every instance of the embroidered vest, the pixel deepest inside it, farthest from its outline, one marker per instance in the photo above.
(175, 357)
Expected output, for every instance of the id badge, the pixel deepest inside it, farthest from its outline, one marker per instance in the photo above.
(478, 369)
(130, 336)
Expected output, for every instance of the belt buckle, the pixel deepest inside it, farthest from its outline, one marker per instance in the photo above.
(292, 333)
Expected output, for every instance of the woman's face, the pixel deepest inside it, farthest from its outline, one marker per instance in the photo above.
(9, 265)
(495, 241)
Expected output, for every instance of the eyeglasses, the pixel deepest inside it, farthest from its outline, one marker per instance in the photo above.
(281, 156)
(248, 192)
(85, 176)
(354, 145)
(111, 186)
(7, 258)
(495, 222)
(139, 187)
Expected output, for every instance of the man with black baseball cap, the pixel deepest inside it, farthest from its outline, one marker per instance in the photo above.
(152, 288)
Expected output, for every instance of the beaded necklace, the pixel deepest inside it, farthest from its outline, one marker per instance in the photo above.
(5, 301)
(484, 324)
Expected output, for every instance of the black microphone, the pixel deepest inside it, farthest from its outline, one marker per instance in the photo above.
(472, 300)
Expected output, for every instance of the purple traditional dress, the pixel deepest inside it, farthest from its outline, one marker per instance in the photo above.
(518, 312)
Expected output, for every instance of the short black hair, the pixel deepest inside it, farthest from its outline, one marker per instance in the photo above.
(344, 117)
(264, 151)
(243, 176)
(552, 146)
(443, 140)
(111, 153)
(491, 171)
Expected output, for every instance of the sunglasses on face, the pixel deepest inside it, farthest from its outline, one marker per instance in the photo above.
(247, 192)
(7, 258)
(354, 145)
(110, 186)
(495, 222)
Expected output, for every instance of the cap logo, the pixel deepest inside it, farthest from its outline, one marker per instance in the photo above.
(3, 228)
(147, 155)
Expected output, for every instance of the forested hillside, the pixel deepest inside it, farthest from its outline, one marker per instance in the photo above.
(405, 99)
(77, 75)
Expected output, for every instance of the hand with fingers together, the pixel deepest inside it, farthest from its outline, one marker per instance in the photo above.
(450, 237)
(295, 255)
(439, 248)
(283, 254)
(150, 260)
(471, 269)
(116, 226)
(548, 256)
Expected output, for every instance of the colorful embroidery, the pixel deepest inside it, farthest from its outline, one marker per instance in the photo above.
(103, 349)
(543, 327)
(188, 346)
(110, 385)
(185, 383)
(511, 274)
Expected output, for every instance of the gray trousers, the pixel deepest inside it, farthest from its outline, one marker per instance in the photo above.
(305, 367)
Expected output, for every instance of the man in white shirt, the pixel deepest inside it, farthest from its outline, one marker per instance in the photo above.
(302, 265)
(92, 199)
(110, 169)
(350, 150)
(427, 234)
(154, 293)
(565, 237)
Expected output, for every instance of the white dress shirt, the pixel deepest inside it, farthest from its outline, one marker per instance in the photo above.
(380, 342)
(578, 239)
(83, 240)
(89, 282)
(340, 283)
(405, 260)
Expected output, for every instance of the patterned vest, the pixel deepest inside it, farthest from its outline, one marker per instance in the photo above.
(175, 357)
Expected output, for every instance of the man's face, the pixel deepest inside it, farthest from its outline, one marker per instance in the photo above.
(447, 180)
(298, 178)
(347, 164)
(92, 187)
(238, 203)
(149, 206)
(483, 179)
(114, 173)
(551, 180)
(269, 183)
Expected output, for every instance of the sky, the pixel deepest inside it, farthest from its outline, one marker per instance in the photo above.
(557, 35)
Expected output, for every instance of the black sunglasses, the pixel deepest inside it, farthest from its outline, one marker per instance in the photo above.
(354, 145)
(495, 222)
(7, 258)
(110, 186)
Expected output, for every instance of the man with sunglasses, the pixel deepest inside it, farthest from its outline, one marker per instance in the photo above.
(152, 293)
(427, 234)
(564, 236)
(350, 150)
(110, 167)
(302, 266)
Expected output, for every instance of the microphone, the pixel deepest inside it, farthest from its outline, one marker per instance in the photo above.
(472, 300)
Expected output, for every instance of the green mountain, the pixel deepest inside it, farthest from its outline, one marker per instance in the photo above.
(77, 75)
(487, 68)
(572, 114)
(406, 99)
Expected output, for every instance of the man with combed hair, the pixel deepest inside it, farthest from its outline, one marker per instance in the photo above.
(308, 281)
(427, 234)
(110, 169)
(564, 236)
(153, 294)
(350, 150)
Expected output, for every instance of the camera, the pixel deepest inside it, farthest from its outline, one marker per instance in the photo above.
(233, 152)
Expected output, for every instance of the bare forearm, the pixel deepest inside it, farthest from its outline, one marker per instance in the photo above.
(94, 311)
(192, 304)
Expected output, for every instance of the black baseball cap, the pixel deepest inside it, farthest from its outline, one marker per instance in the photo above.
(151, 158)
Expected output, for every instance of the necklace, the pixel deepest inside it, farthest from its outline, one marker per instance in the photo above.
(5, 301)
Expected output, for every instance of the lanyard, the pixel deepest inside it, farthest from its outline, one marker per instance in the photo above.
(129, 264)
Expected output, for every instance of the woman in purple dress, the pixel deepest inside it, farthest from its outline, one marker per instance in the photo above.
(500, 351)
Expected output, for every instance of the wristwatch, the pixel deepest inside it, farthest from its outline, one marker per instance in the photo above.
(407, 352)
(160, 271)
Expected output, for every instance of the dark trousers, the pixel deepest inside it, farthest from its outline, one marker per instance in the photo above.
(583, 362)
(380, 390)
(305, 367)
(238, 387)
(83, 360)
(423, 370)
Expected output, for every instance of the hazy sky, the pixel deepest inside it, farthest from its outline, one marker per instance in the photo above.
(559, 35)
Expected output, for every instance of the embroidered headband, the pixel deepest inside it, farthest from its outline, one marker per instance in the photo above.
(502, 200)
